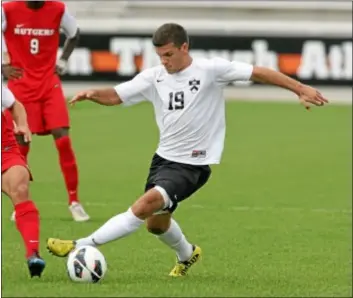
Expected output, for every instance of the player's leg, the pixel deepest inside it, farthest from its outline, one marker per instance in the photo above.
(57, 122)
(157, 197)
(166, 180)
(69, 169)
(67, 162)
(36, 125)
(169, 232)
(166, 229)
(179, 182)
(15, 183)
(117, 227)
(153, 200)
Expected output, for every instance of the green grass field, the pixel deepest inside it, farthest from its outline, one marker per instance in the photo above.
(274, 220)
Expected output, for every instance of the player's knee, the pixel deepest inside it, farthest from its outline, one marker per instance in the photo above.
(158, 224)
(60, 132)
(148, 204)
(19, 192)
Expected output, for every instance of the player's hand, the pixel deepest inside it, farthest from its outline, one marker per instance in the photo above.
(11, 72)
(83, 95)
(310, 96)
(24, 131)
(61, 67)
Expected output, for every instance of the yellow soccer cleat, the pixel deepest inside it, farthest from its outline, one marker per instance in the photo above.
(60, 248)
(181, 268)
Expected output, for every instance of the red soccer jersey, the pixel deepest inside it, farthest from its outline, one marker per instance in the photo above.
(32, 39)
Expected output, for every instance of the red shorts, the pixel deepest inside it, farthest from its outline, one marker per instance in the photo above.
(10, 159)
(47, 113)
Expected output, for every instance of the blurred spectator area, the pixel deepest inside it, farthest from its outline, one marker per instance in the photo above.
(213, 10)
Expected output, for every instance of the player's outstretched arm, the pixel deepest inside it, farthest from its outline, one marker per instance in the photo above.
(130, 92)
(106, 97)
(307, 95)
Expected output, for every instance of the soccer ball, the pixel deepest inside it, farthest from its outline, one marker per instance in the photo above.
(86, 264)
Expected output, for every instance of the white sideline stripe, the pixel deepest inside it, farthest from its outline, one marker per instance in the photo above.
(232, 208)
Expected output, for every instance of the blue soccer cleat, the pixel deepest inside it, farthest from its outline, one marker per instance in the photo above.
(36, 265)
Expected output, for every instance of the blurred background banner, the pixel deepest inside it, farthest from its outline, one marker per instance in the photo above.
(118, 57)
(308, 40)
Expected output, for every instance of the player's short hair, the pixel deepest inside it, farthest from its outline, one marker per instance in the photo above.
(170, 33)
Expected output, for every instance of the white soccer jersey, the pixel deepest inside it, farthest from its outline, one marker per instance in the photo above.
(189, 107)
(7, 98)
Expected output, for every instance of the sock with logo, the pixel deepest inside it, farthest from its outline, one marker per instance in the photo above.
(176, 240)
(117, 227)
(27, 222)
(68, 166)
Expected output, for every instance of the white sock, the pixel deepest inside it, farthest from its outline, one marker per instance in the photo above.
(117, 227)
(176, 240)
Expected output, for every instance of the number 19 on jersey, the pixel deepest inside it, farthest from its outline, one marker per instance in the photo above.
(176, 101)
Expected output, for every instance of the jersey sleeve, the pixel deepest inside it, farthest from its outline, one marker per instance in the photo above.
(68, 24)
(229, 71)
(7, 99)
(139, 89)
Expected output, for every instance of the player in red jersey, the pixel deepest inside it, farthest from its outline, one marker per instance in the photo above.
(15, 177)
(32, 31)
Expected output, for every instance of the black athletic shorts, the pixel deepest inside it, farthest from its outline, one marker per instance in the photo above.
(179, 180)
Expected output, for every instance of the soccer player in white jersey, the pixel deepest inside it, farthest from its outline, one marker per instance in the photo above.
(187, 95)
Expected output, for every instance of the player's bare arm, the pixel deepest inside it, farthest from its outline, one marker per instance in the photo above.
(105, 97)
(72, 32)
(307, 95)
(69, 46)
(20, 118)
(115, 95)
